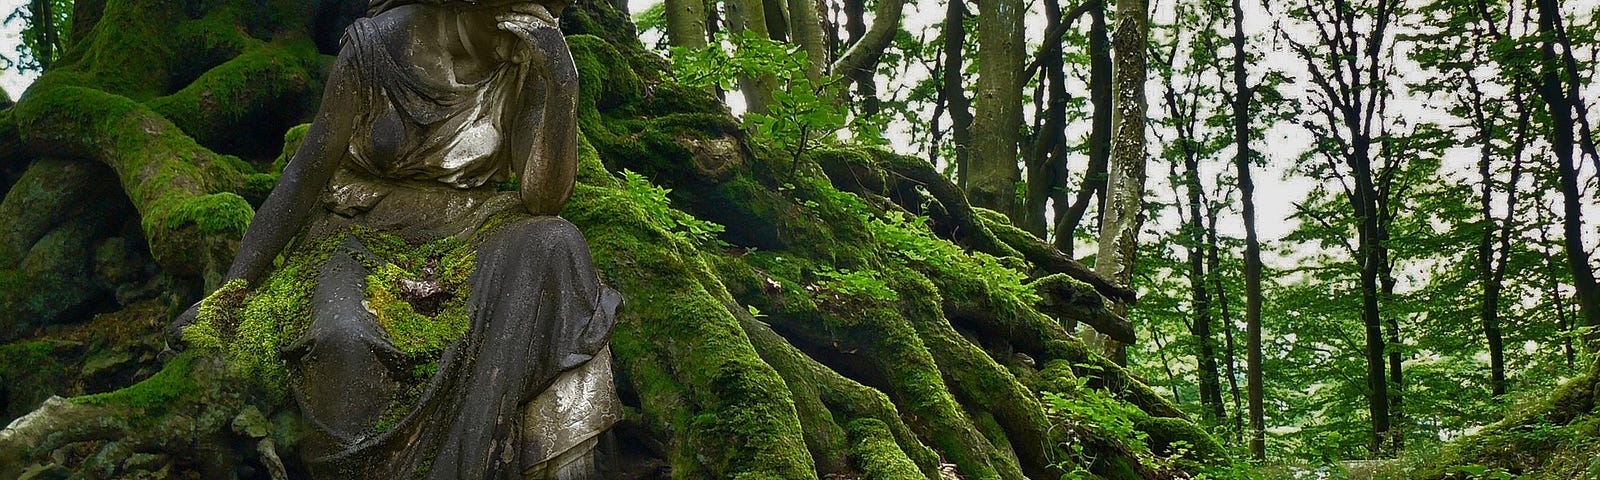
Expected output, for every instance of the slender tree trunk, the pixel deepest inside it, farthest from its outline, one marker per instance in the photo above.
(1242, 94)
(1047, 154)
(994, 172)
(1172, 377)
(750, 16)
(1230, 362)
(1120, 220)
(1490, 312)
(1200, 298)
(1369, 257)
(1094, 176)
(46, 38)
(1393, 347)
(866, 90)
(955, 90)
(1348, 68)
(1562, 139)
(686, 23)
(805, 27)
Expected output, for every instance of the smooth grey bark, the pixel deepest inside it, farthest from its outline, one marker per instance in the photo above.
(1123, 213)
(686, 23)
(864, 52)
(805, 30)
(750, 16)
(994, 171)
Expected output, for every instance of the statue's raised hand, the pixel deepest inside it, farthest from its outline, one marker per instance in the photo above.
(534, 23)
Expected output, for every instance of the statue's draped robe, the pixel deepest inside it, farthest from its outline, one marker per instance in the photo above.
(518, 392)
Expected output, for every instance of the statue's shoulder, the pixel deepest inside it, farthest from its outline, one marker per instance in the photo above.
(393, 27)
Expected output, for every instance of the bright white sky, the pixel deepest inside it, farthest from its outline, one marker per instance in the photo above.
(12, 82)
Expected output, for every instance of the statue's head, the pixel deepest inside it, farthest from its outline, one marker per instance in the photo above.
(376, 7)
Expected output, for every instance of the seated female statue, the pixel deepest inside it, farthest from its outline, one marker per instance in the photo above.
(430, 105)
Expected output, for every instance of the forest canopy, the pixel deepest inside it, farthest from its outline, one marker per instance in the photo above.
(992, 239)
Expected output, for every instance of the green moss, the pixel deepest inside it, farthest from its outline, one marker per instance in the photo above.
(915, 379)
(161, 170)
(877, 454)
(741, 419)
(251, 327)
(215, 214)
(606, 79)
(1554, 438)
(258, 185)
(1173, 437)
(166, 388)
(31, 373)
(417, 334)
(291, 144)
(244, 85)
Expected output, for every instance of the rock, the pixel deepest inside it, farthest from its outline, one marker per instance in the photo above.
(251, 423)
(117, 261)
(147, 462)
(52, 218)
(46, 472)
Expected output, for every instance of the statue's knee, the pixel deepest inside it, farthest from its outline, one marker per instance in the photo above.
(344, 338)
(543, 233)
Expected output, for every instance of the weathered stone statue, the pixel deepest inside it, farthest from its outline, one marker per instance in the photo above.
(431, 105)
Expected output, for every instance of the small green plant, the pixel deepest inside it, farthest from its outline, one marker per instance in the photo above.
(653, 200)
(856, 283)
(1088, 413)
(799, 118)
(1480, 472)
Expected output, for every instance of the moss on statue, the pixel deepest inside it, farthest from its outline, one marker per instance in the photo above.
(249, 328)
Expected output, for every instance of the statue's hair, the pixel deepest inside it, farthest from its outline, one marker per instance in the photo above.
(376, 7)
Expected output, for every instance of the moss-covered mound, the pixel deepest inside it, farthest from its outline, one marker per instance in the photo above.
(1557, 438)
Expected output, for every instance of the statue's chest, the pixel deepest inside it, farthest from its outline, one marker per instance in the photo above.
(457, 140)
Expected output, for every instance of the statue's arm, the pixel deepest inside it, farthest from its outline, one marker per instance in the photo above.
(303, 180)
(300, 186)
(547, 153)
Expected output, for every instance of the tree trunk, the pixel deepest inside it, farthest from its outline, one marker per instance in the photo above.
(1241, 100)
(1230, 362)
(1394, 348)
(805, 27)
(1047, 154)
(1562, 139)
(1099, 146)
(1200, 298)
(1123, 214)
(994, 172)
(750, 17)
(955, 90)
(686, 23)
